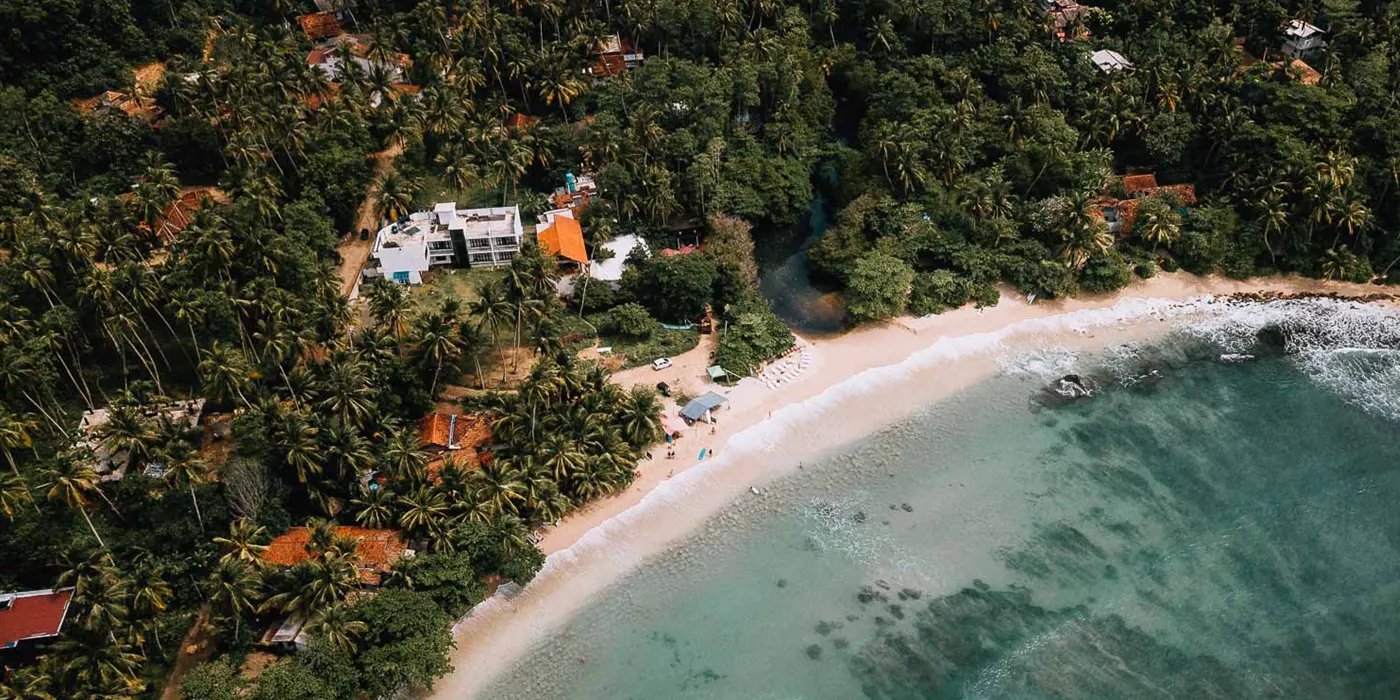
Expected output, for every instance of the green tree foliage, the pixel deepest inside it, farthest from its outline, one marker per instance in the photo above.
(630, 320)
(407, 642)
(878, 287)
(675, 288)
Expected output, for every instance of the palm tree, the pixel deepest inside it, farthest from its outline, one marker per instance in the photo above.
(374, 508)
(72, 483)
(641, 420)
(404, 457)
(129, 431)
(396, 195)
(242, 543)
(184, 467)
(14, 493)
(224, 371)
(424, 512)
(339, 627)
(14, 432)
(97, 660)
(437, 344)
(232, 588)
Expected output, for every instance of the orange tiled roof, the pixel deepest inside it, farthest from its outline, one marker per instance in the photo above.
(315, 100)
(446, 431)
(1186, 194)
(520, 121)
(1138, 183)
(377, 550)
(564, 238)
(320, 25)
(177, 214)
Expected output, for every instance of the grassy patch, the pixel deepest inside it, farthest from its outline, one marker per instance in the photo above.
(447, 282)
(661, 344)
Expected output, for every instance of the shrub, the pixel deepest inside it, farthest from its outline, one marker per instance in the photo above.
(938, 291)
(631, 321)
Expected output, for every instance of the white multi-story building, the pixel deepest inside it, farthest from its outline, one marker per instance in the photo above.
(1300, 38)
(446, 236)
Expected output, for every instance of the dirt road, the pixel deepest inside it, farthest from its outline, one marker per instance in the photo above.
(354, 252)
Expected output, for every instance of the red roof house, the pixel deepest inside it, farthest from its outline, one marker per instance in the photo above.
(32, 615)
(1138, 184)
(463, 438)
(563, 237)
(376, 550)
(320, 25)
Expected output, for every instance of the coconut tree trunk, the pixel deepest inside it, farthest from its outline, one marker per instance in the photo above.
(87, 519)
(198, 516)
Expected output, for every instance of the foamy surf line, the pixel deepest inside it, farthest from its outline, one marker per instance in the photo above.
(491, 639)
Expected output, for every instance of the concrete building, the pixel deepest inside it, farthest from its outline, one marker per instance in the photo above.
(1300, 38)
(1110, 61)
(446, 237)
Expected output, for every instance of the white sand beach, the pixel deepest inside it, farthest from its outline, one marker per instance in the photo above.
(852, 385)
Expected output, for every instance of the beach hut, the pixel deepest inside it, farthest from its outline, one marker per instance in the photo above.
(700, 408)
(717, 373)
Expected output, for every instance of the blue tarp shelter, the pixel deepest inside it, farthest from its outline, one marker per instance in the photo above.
(699, 409)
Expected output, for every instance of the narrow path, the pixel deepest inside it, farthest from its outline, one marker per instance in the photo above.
(195, 649)
(354, 252)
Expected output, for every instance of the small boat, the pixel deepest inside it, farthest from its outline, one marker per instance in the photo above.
(754, 490)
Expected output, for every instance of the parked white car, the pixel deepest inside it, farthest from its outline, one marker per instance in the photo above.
(660, 363)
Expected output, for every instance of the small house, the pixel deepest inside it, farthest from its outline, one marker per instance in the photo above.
(465, 439)
(1109, 61)
(576, 194)
(32, 615)
(320, 25)
(614, 56)
(376, 551)
(1299, 37)
(560, 235)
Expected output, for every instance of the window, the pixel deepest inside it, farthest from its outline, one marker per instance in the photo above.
(479, 243)
(506, 241)
(505, 257)
(481, 258)
(401, 277)
(440, 245)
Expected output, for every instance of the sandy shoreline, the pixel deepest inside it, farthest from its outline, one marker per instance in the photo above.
(856, 384)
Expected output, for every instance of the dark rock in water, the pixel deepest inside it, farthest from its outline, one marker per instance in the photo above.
(980, 585)
(896, 611)
(894, 507)
(839, 643)
(906, 507)
(1070, 387)
(782, 583)
(852, 618)
(883, 585)
(1272, 337)
(909, 594)
(859, 516)
(824, 628)
(1110, 572)
(814, 651)
(884, 522)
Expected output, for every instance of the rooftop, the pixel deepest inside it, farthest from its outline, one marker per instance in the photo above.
(376, 550)
(32, 615)
(1108, 60)
(611, 269)
(320, 25)
(563, 236)
(1138, 183)
(1299, 29)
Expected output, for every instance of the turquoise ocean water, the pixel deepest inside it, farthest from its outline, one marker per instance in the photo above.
(1197, 529)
